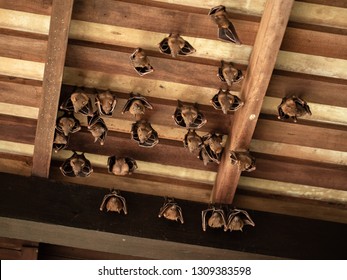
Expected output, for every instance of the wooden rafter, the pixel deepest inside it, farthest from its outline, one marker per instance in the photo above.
(267, 44)
(53, 74)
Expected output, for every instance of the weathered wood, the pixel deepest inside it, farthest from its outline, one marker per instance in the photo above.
(111, 243)
(21, 68)
(23, 48)
(291, 170)
(261, 65)
(189, 24)
(15, 164)
(17, 129)
(20, 94)
(56, 51)
(305, 86)
(302, 12)
(78, 207)
(30, 6)
(23, 21)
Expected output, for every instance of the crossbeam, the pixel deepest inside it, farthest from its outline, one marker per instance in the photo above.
(52, 79)
(266, 47)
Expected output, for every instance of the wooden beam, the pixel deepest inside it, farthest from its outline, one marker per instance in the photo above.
(262, 62)
(56, 52)
(74, 216)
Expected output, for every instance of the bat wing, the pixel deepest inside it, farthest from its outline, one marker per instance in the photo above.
(229, 34)
(215, 102)
(110, 162)
(164, 46)
(237, 104)
(187, 49)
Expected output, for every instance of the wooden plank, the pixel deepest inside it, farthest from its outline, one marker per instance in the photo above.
(23, 48)
(322, 113)
(14, 164)
(306, 87)
(189, 23)
(21, 68)
(23, 21)
(309, 88)
(56, 51)
(132, 38)
(296, 207)
(278, 171)
(20, 94)
(110, 243)
(19, 110)
(17, 129)
(30, 6)
(262, 62)
(77, 206)
(302, 12)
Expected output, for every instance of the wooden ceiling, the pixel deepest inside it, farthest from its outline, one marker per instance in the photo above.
(288, 48)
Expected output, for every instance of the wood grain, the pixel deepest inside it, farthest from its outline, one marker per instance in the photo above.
(262, 62)
(52, 79)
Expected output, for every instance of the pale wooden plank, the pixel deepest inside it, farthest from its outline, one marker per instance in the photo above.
(293, 190)
(312, 64)
(52, 79)
(300, 152)
(133, 38)
(21, 68)
(262, 62)
(24, 21)
(16, 148)
(19, 110)
(150, 168)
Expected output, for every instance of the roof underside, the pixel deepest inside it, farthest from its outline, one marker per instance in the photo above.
(47, 48)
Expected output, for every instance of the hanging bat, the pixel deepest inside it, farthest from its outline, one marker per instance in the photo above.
(237, 219)
(143, 133)
(140, 62)
(175, 45)
(106, 102)
(216, 219)
(114, 202)
(226, 101)
(76, 166)
(78, 102)
(293, 107)
(229, 74)
(121, 165)
(97, 127)
(226, 30)
(136, 105)
(213, 146)
(60, 141)
(243, 159)
(204, 156)
(171, 211)
(188, 116)
(193, 141)
(67, 123)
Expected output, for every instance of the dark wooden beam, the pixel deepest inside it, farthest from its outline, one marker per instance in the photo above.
(68, 214)
(55, 60)
(261, 65)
